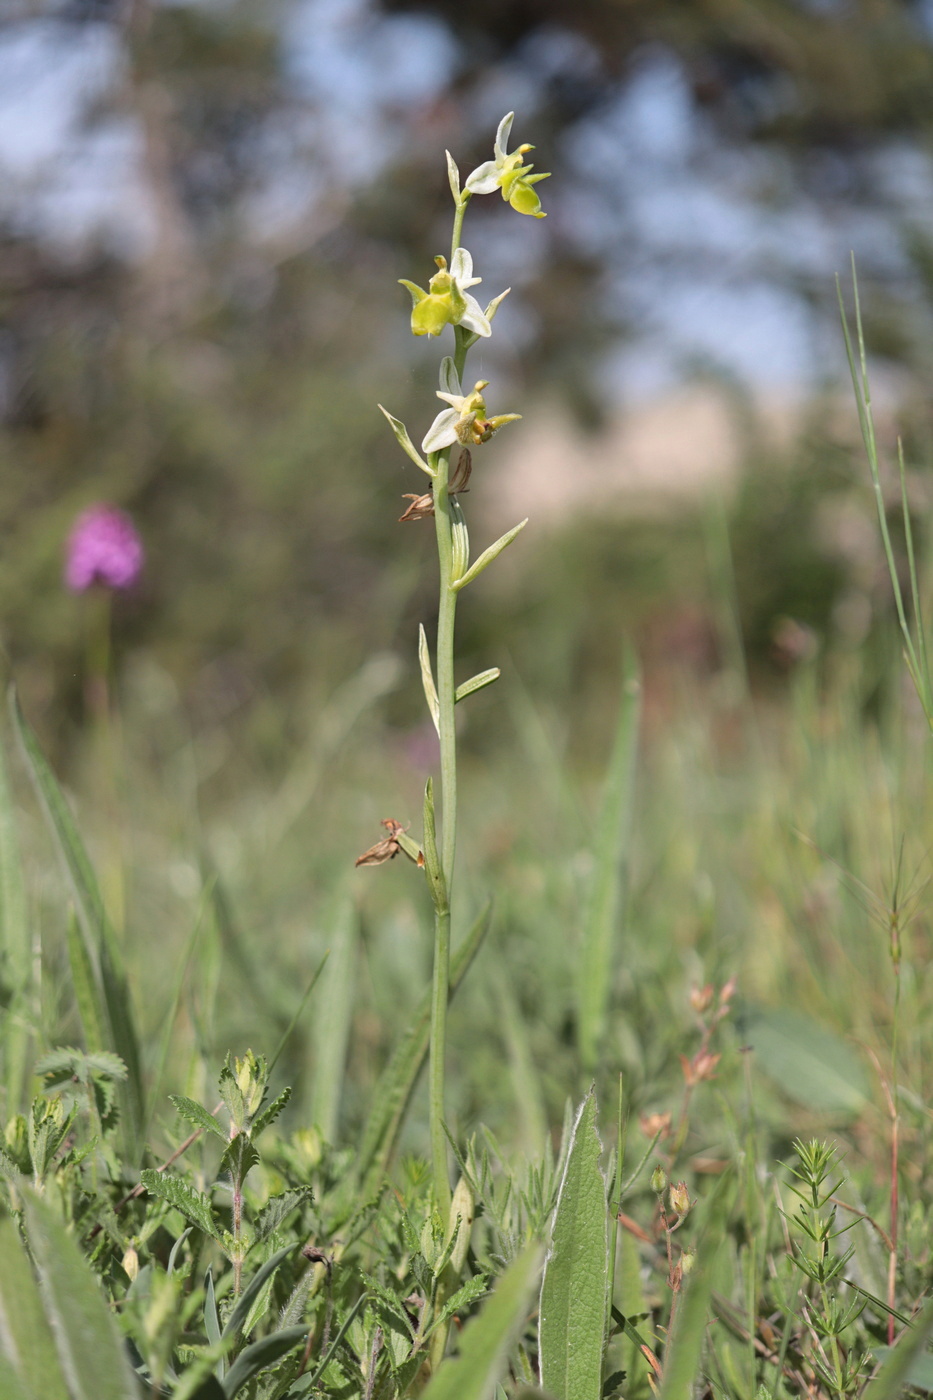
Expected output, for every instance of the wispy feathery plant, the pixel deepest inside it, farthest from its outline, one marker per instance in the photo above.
(462, 426)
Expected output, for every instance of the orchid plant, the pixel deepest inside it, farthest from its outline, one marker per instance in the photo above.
(462, 425)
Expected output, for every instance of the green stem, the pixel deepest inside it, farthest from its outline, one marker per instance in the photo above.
(448, 793)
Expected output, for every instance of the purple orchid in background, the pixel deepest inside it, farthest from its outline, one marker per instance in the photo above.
(103, 548)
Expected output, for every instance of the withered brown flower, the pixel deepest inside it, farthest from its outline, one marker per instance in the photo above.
(423, 506)
(389, 847)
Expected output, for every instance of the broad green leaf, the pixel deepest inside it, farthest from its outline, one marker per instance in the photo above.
(113, 1004)
(897, 1367)
(604, 908)
(239, 1158)
(260, 1355)
(572, 1315)
(277, 1209)
(16, 956)
(197, 1115)
(190, 1203)
(808, 1062)
(26, 1342)
(87, 1339)
(486, 1339)
(919, 1373)
(396, 1084)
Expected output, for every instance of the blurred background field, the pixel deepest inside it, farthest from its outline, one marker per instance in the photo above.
(204, 211)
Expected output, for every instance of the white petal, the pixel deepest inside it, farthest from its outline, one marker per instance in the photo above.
(474, 318)
(461, 269)
(502, 135)
(484, 179)
(455, 400)
(442, 432)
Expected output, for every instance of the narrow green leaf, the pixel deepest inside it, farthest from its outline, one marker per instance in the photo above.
(405, 442)
(809, 1062)
(478, 682)
(486, 1339)
(332, 1349)
(603, 914)
(26, 1340)
(90, 1008)
(453, 176)
(396, 1084)
(87, 1339)
(572, 1315)
(898, 1365)
(432, 863)
(427, 676)
(335, 1018)
(487, 556)
(190, 1203)
(111, 991)
(253, 1289)
(261, 1355)
(16, 957)
(197, 1115)
(683, 1355)
(267, 1116)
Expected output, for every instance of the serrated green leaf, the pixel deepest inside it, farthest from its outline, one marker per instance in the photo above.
(267, 1116)
(260, 1356)
(574, 1296)
(183, 1198)
(109, 987)
(277, 1209)
(486, 1339)
(477, 682)
(473, 1288)
(239, 1157)
(396, 1084)
(87, 1339)
(26, 1340)
(197, 1115)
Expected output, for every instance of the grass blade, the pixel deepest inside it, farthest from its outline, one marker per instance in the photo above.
(16, 963)
(396, 1084)
(897, 1366)
(683, 1355)
(111, 992)
(486, 1339)
(572, 1315)
(334, 1019)
(600, 930)
(259, 1356)
(87, 1340)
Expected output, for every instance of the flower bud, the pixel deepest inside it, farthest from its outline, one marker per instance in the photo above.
(658, 1180)
(679, 1198)
(461, 1220)
(688, 1261)
(130, 1262)
(701, 998)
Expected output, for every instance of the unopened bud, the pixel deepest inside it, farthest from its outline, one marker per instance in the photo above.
(701, 998)
(688, 1261)
(679, 1198)
(658, 1180)
(130, 1262)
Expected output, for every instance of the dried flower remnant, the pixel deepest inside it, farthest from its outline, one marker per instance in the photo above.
(655, 1124)
(422, 507)
(702, 1066)
(103, 548)
(389, 847)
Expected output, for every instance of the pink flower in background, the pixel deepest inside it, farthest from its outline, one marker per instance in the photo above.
(104, 548)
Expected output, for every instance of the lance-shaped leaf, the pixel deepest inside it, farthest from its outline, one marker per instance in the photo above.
(197, 1115)
(432, 864)
(477, 682)
(459, 541)
(260, 1356)
(572, 1314)
(453, 175)
(405, 442)
(487, 556)
(427, 677)
(190, 1203)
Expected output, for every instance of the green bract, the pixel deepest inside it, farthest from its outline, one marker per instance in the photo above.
(508, 172)
(446, 302)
